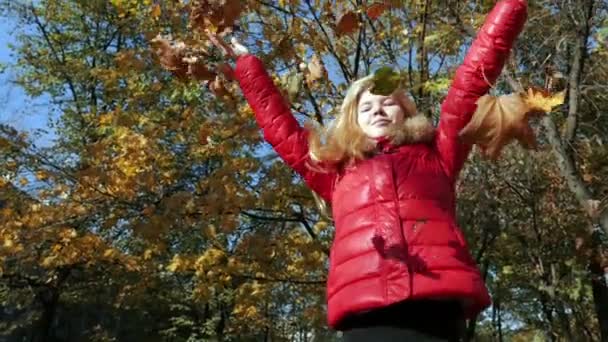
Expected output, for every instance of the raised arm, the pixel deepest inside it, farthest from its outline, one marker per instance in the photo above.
(481, 67)
(279, 125)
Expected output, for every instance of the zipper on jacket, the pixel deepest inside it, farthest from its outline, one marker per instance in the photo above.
(402, 234)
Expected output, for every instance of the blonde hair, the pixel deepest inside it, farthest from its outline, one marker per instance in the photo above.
(345, 141)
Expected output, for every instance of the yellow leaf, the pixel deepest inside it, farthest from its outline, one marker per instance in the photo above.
(178, 263)
(23, 181)
(148, 254)
(105, 119)
(42, 175)
(109, 253)
(48, 261)
(544, 101)
(156, 11)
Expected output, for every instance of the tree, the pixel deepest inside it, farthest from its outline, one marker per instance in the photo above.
(161, 211)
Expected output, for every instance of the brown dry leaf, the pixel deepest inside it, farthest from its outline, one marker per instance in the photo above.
(215, 15)
(232, 10)
(497, 122)
(199, 71)
(217, 87)
(347, 23)
(203, 135)
(316, 69)
(375, 10)
(171, 55)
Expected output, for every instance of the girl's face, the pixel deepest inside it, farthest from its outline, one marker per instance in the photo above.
(377, 114)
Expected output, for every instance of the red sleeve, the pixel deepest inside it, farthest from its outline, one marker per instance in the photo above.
(279, 125)
(481, 67)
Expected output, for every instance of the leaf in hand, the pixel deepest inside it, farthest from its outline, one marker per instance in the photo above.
(500, 120)
(386, 81)
(541, 100)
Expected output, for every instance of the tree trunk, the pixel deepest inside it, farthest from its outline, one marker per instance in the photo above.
(49, 298)
(599, 285)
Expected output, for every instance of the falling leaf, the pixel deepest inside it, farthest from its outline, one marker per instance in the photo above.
(217, 87)
(593, 208)
(316, 69)
(218, 16)
(156, 11)
(171, 55)
(386, 81)
(199, 71)
(375, 10)
(347, 23)
(294, 82)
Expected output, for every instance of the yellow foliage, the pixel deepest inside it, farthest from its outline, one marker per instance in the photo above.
(179, 264)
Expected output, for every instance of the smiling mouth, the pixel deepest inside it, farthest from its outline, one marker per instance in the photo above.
(381, 123)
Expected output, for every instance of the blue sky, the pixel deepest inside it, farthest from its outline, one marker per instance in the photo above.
(16, 109)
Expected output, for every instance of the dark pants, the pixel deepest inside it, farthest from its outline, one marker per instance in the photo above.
(426, 320)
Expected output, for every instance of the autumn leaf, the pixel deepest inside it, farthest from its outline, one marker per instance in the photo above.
(347, 23)
(156, 11)
(171, 55)
(198, 70)
(375, 10)
(385, 81)
(214, 15)
(496, 122)
(316, 70)
(541, 100)
(217, 87)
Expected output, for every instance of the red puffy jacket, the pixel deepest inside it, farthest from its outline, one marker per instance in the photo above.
(396, 235)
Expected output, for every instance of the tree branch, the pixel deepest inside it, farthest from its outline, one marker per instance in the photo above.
(580, 54)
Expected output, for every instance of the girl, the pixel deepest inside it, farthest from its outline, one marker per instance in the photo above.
(400, 269)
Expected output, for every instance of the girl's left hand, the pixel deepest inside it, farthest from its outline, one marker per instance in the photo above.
(231, 51)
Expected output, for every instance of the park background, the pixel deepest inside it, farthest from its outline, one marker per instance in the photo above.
(136, 205)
